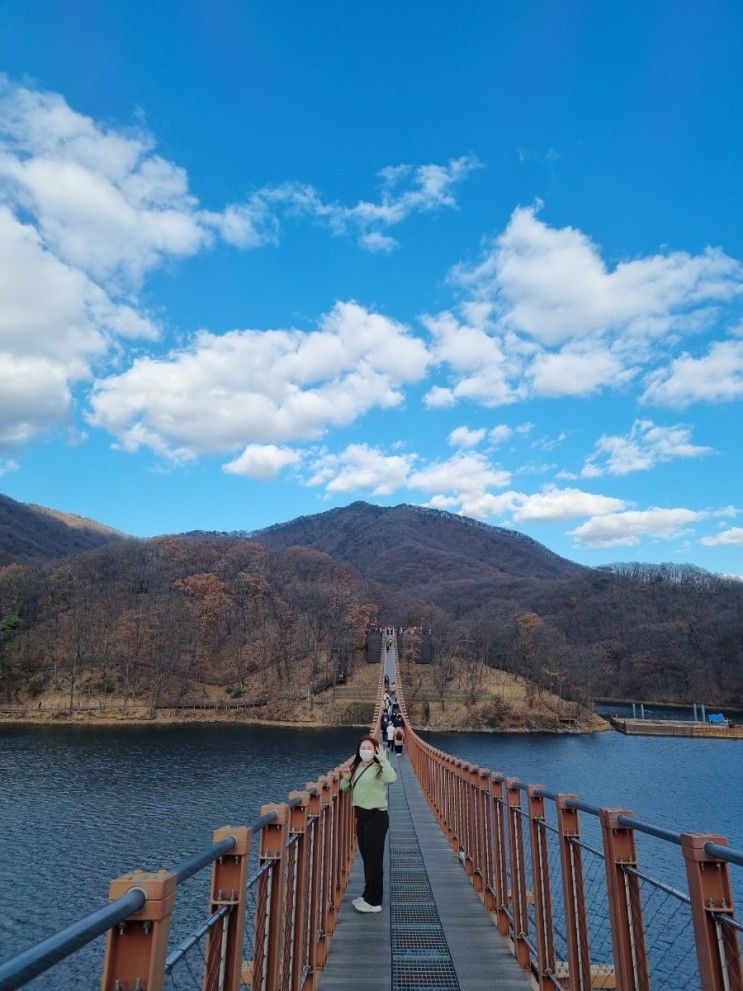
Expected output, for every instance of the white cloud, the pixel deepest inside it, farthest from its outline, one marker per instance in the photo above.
(88, 211)
(553, 503)
(464, 437)
(360, 467)
(7, 466)
(439, 398)
(575, 372)
(727, 538)
(628, 528)
(102, 200)
(464, 473)
(553, 285)
(262, 461)
(543, 314)
(250, 386)
(645, 446)
(500, 434)
(56, 324)
(715, 377)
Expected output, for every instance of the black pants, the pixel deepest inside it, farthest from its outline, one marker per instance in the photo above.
(371, 829)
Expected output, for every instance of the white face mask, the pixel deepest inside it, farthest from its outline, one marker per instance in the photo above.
(366, 755)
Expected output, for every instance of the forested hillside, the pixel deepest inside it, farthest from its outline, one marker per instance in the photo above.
(33, 533)
(179, 618)
(209, 617)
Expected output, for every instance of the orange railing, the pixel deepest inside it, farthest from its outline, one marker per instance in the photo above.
(579, 912)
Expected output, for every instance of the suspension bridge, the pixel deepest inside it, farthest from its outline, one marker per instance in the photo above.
(490, 883)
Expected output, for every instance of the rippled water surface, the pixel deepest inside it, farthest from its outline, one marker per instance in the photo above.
(79, 806)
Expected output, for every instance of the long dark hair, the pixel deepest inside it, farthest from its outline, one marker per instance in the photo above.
(357, 756)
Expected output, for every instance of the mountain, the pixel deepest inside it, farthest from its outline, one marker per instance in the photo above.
(33, 533)
(426, 552)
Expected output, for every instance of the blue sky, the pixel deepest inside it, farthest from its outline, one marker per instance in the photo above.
(259, 260)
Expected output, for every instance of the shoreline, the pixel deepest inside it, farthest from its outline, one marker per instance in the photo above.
(170, 718)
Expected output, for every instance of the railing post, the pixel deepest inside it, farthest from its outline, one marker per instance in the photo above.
(229, 880)
(625, 903)
(518, 874)
(710, 891)
(467, 836)
(334, 897)
(486, 820)
(324, 874)
(136, 948)
(540, 870)
(274, 838)
(573, 893)
(298, 817)
(313, 908)
(500, 853)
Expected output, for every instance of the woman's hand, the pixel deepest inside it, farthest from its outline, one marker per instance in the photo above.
(346, 773)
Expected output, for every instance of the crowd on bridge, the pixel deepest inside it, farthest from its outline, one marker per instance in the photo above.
(391, 721)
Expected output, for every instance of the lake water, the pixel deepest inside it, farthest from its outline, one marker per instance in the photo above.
(79, 806)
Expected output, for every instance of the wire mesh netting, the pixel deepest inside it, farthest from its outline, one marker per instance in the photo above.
(199, 960)
(559, 928)
(669, 933)
(257, 909)
(596, 905)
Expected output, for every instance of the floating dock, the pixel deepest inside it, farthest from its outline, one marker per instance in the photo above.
(674, 727)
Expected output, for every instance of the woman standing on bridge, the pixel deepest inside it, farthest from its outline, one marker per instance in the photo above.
(368, 776)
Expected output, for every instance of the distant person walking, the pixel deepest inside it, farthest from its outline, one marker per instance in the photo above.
(390, 734)
(399, 739)
(367, 778)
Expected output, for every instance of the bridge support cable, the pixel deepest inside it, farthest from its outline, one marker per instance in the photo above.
(581, 915)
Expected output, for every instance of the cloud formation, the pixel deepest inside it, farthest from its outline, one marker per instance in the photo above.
(262, 461)
(542, 314)
(88, 211)
(628, 528)
(260, 387)
(643, 448)
(726, 538)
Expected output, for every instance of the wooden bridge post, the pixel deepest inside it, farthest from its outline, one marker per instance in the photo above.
(625, 903)
(334, 886)
(324, 871)
(313, 906)
(574, 896)
(298, 817)
(540, 869)
(468, 833)
(518, 874)
(450, 808)
(486, 820)
(710, 891)
(274, 838)
(136, 948)
(229, 887)
(500, 852)
(478, 872)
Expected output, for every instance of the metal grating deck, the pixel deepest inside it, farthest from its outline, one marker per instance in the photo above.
(421, 960)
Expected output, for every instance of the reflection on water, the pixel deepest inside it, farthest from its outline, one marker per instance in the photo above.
(79, 806)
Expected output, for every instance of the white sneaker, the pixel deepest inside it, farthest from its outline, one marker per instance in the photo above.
(361, 906)
(357, 901)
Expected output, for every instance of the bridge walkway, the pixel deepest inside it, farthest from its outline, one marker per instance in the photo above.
(434, 933)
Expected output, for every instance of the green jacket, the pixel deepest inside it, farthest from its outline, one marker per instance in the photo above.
(370, 788)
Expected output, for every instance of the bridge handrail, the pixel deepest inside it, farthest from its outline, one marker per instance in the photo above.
(555, 898)
(39, 958)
